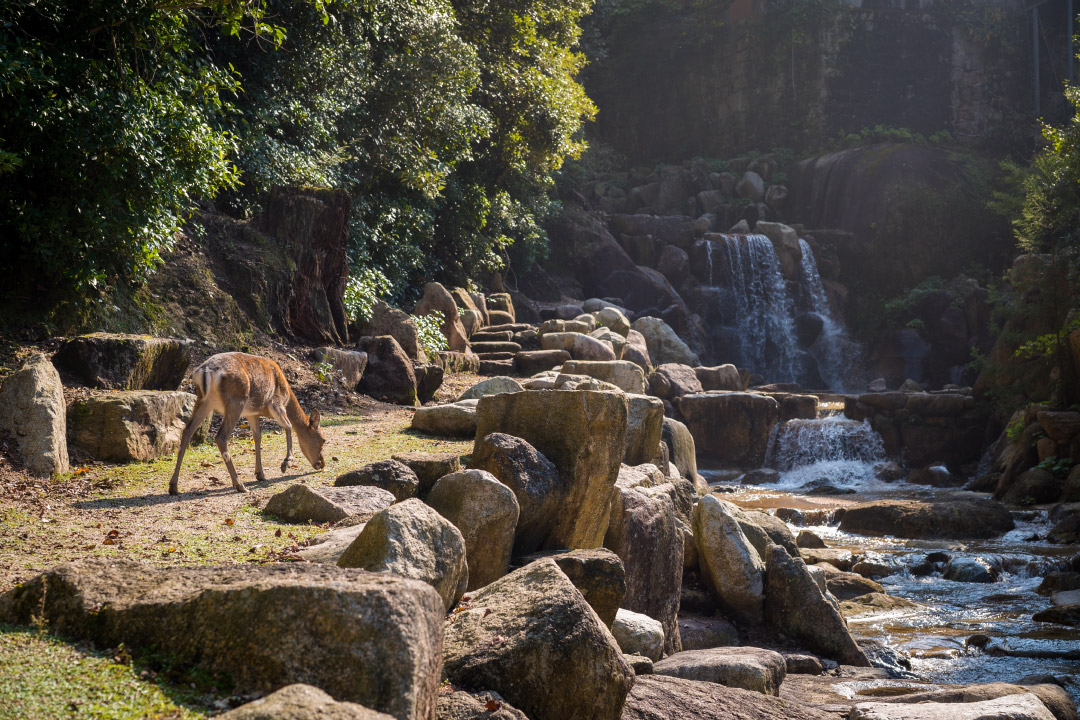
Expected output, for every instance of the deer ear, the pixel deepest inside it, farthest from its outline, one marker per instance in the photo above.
(313, 419)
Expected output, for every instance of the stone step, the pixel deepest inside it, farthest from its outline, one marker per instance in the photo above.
(481, 348)
(483, 336)
(509, 327)
(496, 367)
(496, 356)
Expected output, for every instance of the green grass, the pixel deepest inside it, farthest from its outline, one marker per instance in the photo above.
(45, 677)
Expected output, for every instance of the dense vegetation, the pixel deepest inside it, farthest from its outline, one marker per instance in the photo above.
(443, 119)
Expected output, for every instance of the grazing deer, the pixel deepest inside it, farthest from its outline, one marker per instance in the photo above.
(239, 385)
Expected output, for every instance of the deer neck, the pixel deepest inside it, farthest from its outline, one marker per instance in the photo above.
(297, 417)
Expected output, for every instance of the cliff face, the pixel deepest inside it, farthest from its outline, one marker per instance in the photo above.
(712, 79)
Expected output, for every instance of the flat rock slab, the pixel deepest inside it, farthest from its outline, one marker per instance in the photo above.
(133, 425)
(330, 546)
(301, 702)
(1010, 707)
(126, 362)
(748, 668)
(361, 637)
(916, 520)
(661, 697)
(303, 503)
(453, 420)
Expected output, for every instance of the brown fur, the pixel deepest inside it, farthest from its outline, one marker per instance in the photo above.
(238, 385)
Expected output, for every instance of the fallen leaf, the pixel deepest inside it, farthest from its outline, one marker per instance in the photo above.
(491, 706)
(277, 533)
(81, 471)
(228, 521)
(113, 534)
(108, 541)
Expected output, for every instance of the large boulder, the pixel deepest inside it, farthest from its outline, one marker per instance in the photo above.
(503, 305)
(364, 638)
(730, 427)
(644, 534)
(622, 373)
(126, 362)
(1009, 707)
(1053, 696)
(438, 300)
(412, 540)
(644, 429)
(918, 520)
(583, 433)
(614, 319)
(429, 467)
(598, 574)
(389, 375)
(534, 480)
(748, 668)
(32, 412)
(530, 633)
(486, 513)
(429, 378)
(303, 503)
(131, 425)
(452, 420)
(530, 362)
(491, 386)
(398, 324)
(637, 351)
(671, 381)
(580, 347)
(350, 363)
(729, 563)
(393, 476)
(785, 242)
(682, 452)
(301, 702)
(721, 377)
(663, 344)
(796, 605)
(612, 338)
(663, 697)
(702, 633)
(638, 634)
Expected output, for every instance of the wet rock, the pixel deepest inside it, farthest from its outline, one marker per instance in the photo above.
(664, 346)
(848, 586)
(761, 476)
(393, 476)
(702, 633)
(748, 668)
(532, 631)
(873, 568)
(1013, 707)
(972, 570)
(661, 697)
(948, 519)
(638, 634)
(412, 540)
(729, 563)
(126, 362)
(485, 705)
(32, 412)
(530, 362)
(796, 606)
(491, 386)
(534, 480)
(882, 656)
(671, 381)
(583, 433)
(389, 375)
(1059, 614)
(732, 428)
(1034, 487)
(934, 476)
(429, 467)
(131, 425)
(1058, 582)
(303, 504)
(785, 243)
(1066, 530)
(453, 420)
(875, 603)
(302, 702)
(622, 373)
(370, 639)
(808, 539)
(838, 558)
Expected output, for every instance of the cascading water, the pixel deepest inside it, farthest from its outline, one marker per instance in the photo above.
(835, 353)
(830, 451)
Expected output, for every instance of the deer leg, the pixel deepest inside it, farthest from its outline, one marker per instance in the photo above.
(228, 423)
(256, 431)
(283, 421)
(198, 416)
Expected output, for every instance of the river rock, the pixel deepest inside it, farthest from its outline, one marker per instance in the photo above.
(664, 346)
(1052, 695)
(638, 634)
(486, 513)
(301, 702)
(32, 412)
(485, 705)
(796, 606)
(429, 467)
(729, 563)
(1059, 614)
(583, 433)
(918, 520)
(702, 633)
(453, 420)
(644, 534)
(808, 539)
(364, 638)
(530, 632)
(412, 540)
(1010, 707)
(389, 375)
(847, 585)
(785, 242)
(580, 347)
(837, 557)
(662, 697)
(131, 425)
(748, 668)
(681, 448)
(303, 503)
(970, 569)
(721, 377)
(534, 480)
(644, 428)
(1034, 487)
(875, 602)
(438, 300)
(622, 373)
(126, 362)
(730, 428)
(393, 476)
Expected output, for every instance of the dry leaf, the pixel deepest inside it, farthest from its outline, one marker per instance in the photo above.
(228, 521)
(491, 706)
(277, 533)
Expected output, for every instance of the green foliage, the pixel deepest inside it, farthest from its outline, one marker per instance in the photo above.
(1015, 428)
(430, 335)
(361, 292)
(324, 371)
(1059, 467)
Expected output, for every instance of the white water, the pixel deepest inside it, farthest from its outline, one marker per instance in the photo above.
(833, 451)
(835, 352)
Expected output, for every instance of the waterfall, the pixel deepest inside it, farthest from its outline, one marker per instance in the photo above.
(763, 308)
(835, 353)
(832, 450)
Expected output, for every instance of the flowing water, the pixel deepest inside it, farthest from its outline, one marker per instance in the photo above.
(836, 354)
(832, 451)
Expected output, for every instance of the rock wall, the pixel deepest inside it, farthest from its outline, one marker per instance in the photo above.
(725, 77)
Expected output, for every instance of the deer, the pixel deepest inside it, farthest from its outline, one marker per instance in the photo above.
(237, 385)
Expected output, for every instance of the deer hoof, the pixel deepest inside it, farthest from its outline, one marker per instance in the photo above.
(241, 489)
(260, 477)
